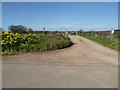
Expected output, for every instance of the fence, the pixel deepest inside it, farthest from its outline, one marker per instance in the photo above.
(101, 34)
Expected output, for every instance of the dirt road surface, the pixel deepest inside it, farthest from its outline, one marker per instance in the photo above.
(86, 64)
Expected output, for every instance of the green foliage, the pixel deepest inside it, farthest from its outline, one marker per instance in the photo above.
(104, 39)
(30, 30)
(21, 43)
(17, 29)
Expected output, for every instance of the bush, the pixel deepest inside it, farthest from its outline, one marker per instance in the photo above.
(15, 43)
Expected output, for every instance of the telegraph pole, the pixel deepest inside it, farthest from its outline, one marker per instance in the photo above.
(44, 30)
(66, 32)
(111, 35)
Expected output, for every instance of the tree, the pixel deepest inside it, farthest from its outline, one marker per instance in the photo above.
(80, 30)
(30, 30)
(1, 29)
(17, 29)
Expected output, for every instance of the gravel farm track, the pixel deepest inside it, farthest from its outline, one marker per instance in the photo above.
(86, 64)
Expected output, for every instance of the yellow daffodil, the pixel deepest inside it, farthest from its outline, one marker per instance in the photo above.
(6, 33)
(10, 42)
(3, 42)
(8, 36)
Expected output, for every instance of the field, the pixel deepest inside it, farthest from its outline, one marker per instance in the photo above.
(13, 43)
(104, 37)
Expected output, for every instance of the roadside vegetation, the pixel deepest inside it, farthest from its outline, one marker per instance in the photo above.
(18, 42)
(105, 38)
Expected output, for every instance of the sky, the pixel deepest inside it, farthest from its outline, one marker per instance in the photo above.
(61, 15)
(60, 0)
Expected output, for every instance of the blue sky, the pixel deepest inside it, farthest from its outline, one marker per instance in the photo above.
(61, 16)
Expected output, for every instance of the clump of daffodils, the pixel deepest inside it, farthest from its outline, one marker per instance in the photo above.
(9, 38)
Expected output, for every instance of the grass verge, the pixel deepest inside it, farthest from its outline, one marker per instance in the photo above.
(113, 44)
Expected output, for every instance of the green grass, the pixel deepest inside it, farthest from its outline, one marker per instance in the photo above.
(114, 43)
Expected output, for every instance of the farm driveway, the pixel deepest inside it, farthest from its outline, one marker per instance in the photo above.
(86, 64)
